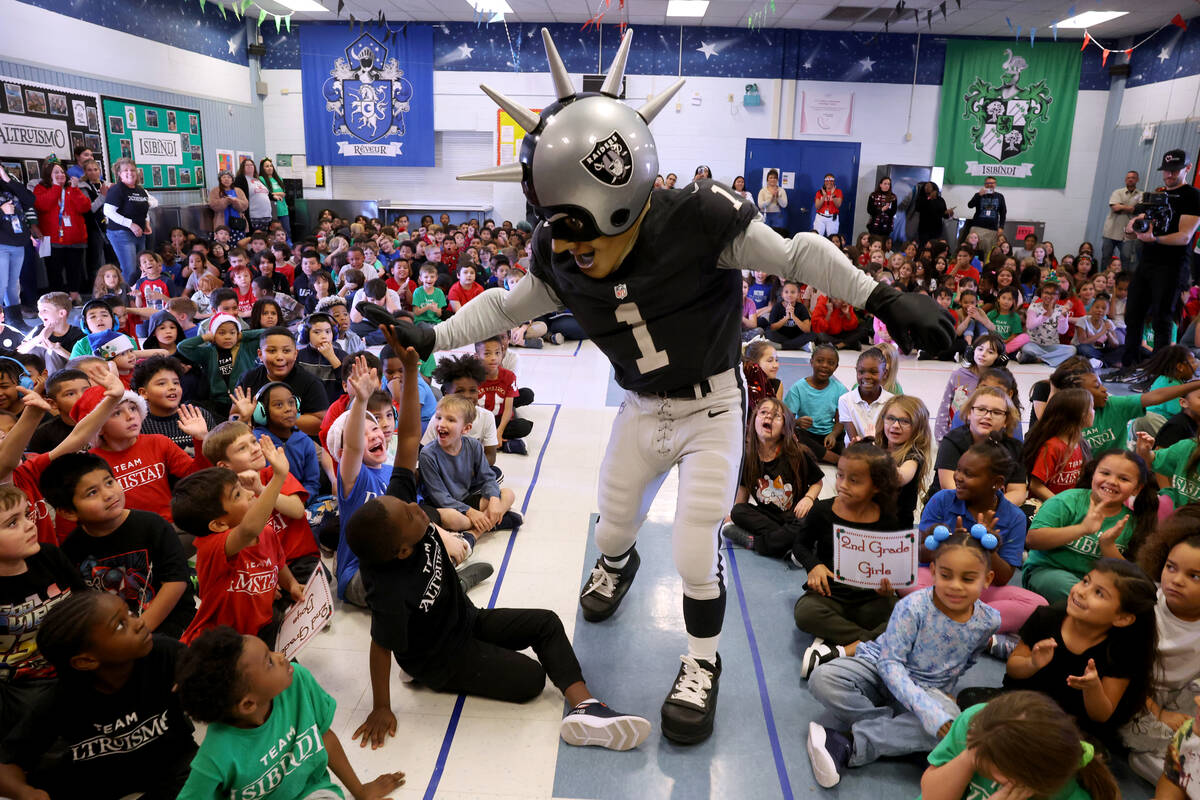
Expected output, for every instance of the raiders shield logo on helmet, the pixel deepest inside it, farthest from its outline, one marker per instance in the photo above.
(610, 161)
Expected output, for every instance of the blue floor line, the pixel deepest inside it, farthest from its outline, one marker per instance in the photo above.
(577, 347)
(452, 726)
(780, 767)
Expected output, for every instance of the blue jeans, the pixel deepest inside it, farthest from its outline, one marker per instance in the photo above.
(126, 246)
(1053, 355)
(852, 689)
(1125, 247)
(11, 259)
(286, 221)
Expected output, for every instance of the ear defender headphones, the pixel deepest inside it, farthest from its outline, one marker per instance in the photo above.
(25, 380)
(259, 417)
(313, 318)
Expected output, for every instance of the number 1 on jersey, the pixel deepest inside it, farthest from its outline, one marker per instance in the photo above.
(652, 358)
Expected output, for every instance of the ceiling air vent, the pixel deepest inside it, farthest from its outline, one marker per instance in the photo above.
(847, 13)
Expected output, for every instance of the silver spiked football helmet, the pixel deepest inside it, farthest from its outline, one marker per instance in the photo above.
(588, 162)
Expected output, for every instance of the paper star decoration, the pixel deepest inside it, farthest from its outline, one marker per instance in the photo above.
(1164, 54)
(709, 50)
(465, 50)
(866, 64)
(233, 43)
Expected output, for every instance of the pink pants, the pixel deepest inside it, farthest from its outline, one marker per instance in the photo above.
(1018, 341)
(1014, 603)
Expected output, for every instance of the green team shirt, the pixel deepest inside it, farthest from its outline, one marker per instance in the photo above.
(421, 298)
(1171, 463)
(982, 787)
(1069, 508)
(282, 759)
(1007, 325)
(1171, 407)
(1108, 431)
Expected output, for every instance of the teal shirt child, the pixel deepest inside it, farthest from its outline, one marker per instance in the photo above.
(820, 404)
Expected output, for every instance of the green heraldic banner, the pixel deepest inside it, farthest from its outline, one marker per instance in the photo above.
(1007, 112)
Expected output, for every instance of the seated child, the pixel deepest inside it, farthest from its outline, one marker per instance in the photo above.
(760, 366)
(62, 390)
(337, 308)
(159, 380)
(320, 355)
(789, 326)
(455, 475)
(274, 410)
(55, 336)
(134, 555)
(1183, 425)
(498, 393)
(437, 635)
(464, 375)
(1045, 322)
(226, 353)
(893, 695)
(240, 559)
(1096, 335)
(782, 477)
(152, 289)
(270, 726)
(114, 712)
(466, 289)
(858, 409)
(814, 402)
(428, 300)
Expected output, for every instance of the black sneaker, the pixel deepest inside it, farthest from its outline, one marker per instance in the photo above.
(473, 573)
(593, 723)
(818, 653)
(690, 709)
(606, 587)
(514, 446)
(829, 752)
(737, 536)
(510, 521)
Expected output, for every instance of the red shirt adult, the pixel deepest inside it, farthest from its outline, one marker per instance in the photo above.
(143, 470)
(826, 205)
(494, 391)
(464, 294)
(1057, 468)
(238, 591)
(295, 535)
(60, 216)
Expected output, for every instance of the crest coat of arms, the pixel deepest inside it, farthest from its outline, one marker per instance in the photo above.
(368, 96)
(1004, 116)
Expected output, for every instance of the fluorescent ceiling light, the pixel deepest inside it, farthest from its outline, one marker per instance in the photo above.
(490, 6)
(303, 5)
(1090, 19)
(687, 8)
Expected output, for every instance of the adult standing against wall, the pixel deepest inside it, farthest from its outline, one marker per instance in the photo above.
(127, 209)
(228, 204)
(15, 200)
(1120, 212)
(990, 214)
(881, 208)
(932, 212)
(772, 200)
(1162, 265)
(61, 206)
(96, 189)
(266, 174)
(256, 193)
(827, 206)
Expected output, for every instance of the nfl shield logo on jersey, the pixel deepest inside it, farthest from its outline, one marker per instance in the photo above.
(621, 291)
(610, 161)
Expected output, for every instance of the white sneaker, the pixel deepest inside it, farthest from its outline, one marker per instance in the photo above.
(1096, 363)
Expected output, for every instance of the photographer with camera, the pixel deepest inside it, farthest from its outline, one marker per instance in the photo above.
(1165, 221)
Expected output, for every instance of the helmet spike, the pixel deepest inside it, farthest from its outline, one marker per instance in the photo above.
(563, 87)
(616, 72)
(506, 173)
(520, 114)
(656, 104)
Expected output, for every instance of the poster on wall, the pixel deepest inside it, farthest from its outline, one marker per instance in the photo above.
(508, 137)
(225, 161)
(826, 113)
(1008, 112)
(243, 155)
(153, 136)
(368, 97)
(37, 120)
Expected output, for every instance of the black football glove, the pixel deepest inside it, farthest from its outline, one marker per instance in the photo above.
(912, 318)
(418, 336)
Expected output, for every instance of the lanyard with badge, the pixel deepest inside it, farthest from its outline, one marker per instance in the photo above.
(14, 217)
(64, 221)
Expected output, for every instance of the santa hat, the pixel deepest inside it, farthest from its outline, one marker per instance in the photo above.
(337, 431)
(92, 396)
(110, 344)
(220, 319)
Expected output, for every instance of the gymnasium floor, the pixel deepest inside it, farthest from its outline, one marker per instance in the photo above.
(451, 747)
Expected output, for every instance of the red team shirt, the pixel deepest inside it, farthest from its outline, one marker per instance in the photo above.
(494, 391)
(295, 535)
(237, 591)
(462, 294)
(25, 477)
(142, 471)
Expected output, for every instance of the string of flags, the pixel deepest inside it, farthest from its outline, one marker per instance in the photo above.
(602, 8)
(241, 8)
(1178, 21)
(756, 18)
(379, 22)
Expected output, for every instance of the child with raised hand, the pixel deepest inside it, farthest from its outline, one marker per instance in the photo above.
(987, 350)
(134, 555)
(893, 694)
(858, 409)
(760, 365)
(903, 431)
(436, 634)
(240, 560)
(814, 402)
(1054, 452)
(781, 475)
(159, 380)
(270, 731)
(1019, 745)
(113, 708)
(1172, 553)
(978, 498)
(1075, 527)
(841, 617)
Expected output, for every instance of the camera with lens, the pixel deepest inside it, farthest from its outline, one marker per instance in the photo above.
(1157, 208)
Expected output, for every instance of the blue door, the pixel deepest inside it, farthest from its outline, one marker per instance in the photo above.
(809, 161)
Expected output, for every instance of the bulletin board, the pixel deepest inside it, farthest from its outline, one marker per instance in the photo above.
(38, 119)
(164, 141)
(508, 137)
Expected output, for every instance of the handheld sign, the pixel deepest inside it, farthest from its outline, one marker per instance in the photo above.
(865, 558)
(305, 619)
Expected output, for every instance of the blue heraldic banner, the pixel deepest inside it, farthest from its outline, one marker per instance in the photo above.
(368, 96)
